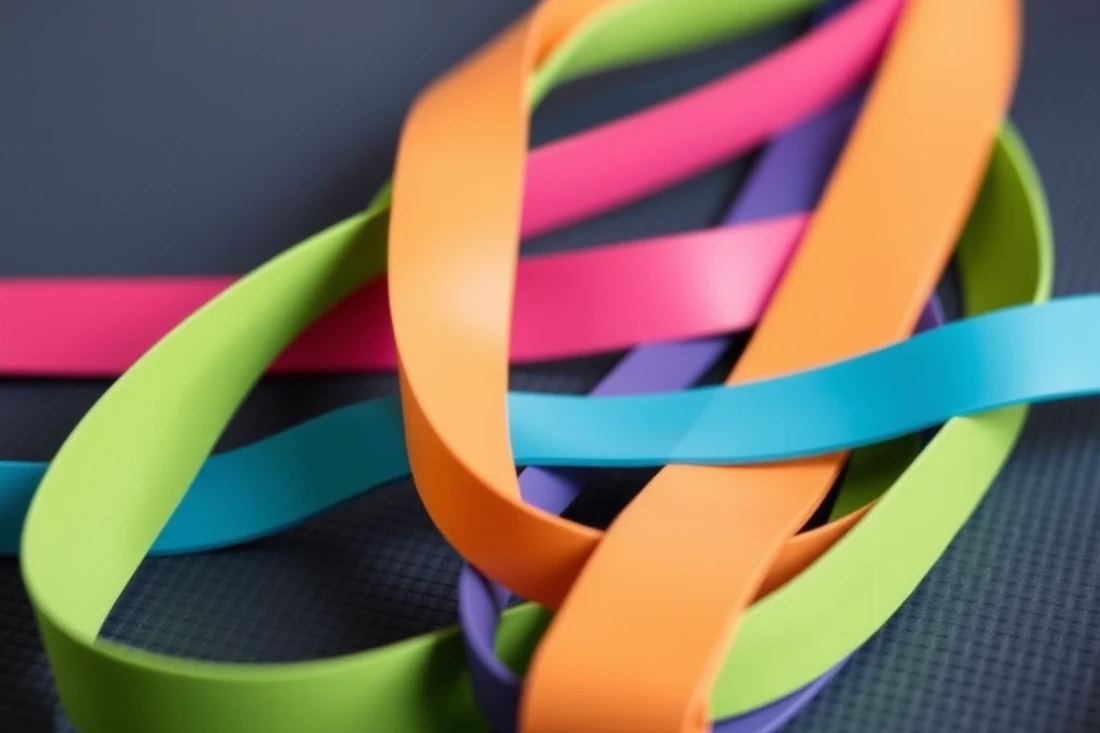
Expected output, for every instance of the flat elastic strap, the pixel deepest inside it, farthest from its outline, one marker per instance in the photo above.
(665, 289)
(95, 514)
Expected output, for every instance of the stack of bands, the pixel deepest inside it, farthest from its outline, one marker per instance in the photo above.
(702, 601)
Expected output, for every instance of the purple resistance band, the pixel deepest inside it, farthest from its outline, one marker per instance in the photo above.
(789, 177)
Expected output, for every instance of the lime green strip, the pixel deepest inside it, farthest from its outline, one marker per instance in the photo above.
(70, 555)
(124, 469)
(126, 466)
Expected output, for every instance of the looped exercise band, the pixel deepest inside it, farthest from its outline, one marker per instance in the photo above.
(1004, 258)
(183, 696)
(788, 176)
(452, 262)
(100, 326)
(255, 319)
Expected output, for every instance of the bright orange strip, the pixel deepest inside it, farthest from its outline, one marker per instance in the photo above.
(885, 229)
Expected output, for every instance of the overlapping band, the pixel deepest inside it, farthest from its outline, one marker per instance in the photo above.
(110, 688)
(1003, 259)
(452, 262)
(96, 514)
(788, 176)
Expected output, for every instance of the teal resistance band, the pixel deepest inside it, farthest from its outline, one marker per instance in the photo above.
(1019, 355)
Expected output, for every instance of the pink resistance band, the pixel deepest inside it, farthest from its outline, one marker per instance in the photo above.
(669, 288)
(676, 287)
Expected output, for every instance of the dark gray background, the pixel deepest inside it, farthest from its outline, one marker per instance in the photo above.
(204, 137)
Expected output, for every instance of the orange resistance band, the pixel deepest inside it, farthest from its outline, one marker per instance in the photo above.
(873, 254)
(539, 569)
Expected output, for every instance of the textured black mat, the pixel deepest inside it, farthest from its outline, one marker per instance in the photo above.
(203, 137)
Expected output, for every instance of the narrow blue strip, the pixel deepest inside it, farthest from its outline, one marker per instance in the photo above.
(1024, 354)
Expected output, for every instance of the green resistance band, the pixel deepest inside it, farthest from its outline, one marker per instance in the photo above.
(124, 469)
(944, 515)
(165, 414)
